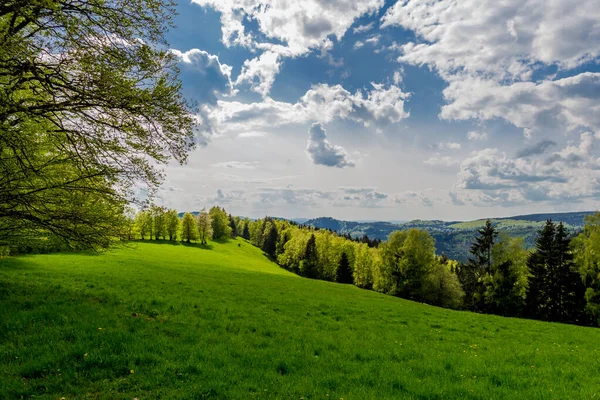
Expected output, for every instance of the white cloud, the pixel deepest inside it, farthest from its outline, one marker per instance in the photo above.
(569, 174)
(476, 135)
(359, 44)
(215, 77)
(363, 28)
(301, 25)
(322, 152)
(569, 102)
(260, 72)
(322, 103)
(497, 39)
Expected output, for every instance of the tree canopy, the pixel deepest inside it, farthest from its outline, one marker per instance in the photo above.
(90, 107)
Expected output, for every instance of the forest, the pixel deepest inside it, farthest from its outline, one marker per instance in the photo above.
(557, 281)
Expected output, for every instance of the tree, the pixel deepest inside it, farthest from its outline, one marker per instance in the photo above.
(220, 224)
(90, 109)
(270, 243)
(246, 231)
(538, 297)
(363, 267)
(189, 231)
(205, 226)
(172, 224)
(441, 286)
(309, 265)
(344, 270)
(158, 222)
(586, 248)
(507, 281)
(472, 273)
(143, 220)
(233, 226)
(408, 257)
(568, 291)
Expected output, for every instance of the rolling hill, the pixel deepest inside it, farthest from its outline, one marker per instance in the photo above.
(453, 238)
(173, 321)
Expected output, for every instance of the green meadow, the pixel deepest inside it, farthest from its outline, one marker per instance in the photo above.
(174, 321)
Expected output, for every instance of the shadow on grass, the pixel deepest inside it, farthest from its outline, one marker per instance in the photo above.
(175, 243)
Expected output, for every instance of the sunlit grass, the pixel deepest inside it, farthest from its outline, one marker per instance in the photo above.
(223, 322)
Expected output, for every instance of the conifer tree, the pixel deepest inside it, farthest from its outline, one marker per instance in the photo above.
(471, 274)
(270, 242)
(233, 226)
(246, 231)
(309, 264)
(344, 271)
(540, 266)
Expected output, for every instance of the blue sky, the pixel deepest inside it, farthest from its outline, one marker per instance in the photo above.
(432, 109)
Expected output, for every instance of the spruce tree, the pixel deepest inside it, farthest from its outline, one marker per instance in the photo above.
(344, 271)
(567, 292)
(270, 242)
(309, 265)
(472, 273)
(540, 267)
(233, 227)
(246, 231)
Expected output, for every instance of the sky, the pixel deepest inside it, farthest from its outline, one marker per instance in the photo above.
(389, 110)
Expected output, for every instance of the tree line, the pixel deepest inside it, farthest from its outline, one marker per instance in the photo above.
(558, 280)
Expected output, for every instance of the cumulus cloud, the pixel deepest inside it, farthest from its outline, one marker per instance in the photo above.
(364, 197)
(569, 102)
(286, 28)
(213, 78)
(569, 174)
(300, 25)
(536, 149)
(210, 80)
(322, 152)
(323, 103)
(260, 72)
(500, 39)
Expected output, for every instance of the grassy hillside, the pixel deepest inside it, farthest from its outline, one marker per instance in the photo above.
(222, 322)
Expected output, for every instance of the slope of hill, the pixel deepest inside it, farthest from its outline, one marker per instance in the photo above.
(222, 322)
(454, 238)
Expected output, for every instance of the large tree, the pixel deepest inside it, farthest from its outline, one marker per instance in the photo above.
(205, 226)
(90, 107)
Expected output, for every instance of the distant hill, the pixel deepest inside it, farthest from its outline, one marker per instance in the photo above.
(453, 238)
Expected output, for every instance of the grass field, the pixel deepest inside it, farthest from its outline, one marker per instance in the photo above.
(164, 321)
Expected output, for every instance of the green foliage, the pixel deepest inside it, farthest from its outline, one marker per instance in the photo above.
(408, 257)
(270, 242)
(172, 224)
(220, 224)
(89, 110)
(364, 266)
(205, 224)
(309, 264)
(586, 247)
(441, 286)
(233, 226)
(506, 283)
(189, 230)
(226, 323)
